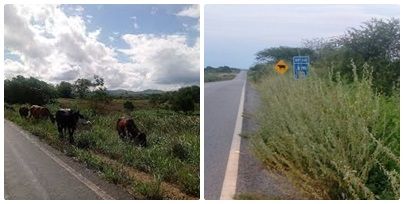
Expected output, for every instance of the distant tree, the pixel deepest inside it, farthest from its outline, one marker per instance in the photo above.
(274, 54)
(128, 105)
(99, 96)
(28, 90)
(65, 89)
(185, 99)
(82, 87)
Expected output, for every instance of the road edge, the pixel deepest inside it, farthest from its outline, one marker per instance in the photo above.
(92, 186)
(229, 186)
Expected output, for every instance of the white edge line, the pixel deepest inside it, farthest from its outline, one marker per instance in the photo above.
(230, 178)
(69, 169)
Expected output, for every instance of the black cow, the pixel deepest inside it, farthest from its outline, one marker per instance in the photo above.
(24, 111)
(66, 120)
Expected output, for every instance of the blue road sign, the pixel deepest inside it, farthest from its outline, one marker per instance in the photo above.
(301, 65)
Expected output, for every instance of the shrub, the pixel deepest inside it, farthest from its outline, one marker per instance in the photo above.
(128, 106)
(333, 139)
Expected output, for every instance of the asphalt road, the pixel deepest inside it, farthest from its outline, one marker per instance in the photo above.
(34, 170)
(221, 106)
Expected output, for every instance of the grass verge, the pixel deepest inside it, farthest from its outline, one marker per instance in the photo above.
(334, 140)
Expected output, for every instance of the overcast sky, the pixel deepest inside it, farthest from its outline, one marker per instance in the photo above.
(132, 47)
(234, 33)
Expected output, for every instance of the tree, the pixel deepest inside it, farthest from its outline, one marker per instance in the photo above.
(82, 87)
(376, 42)
(28, 90)
(274, 54)
(128, 105)
(185, 99)
(65, 89)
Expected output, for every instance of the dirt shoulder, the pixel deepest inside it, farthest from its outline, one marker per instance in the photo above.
(254, 181)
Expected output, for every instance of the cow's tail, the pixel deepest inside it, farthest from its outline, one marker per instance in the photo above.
(117, 124)
(52, 118)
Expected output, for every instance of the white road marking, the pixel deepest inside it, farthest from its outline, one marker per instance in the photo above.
(230, 177)
(69, 169)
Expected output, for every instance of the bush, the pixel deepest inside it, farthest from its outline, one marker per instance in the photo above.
(128, 106)
(28, 90)
(185, 98)
(334, 140)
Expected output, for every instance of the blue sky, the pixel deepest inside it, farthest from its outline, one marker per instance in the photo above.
(234, 33)
(133, 47)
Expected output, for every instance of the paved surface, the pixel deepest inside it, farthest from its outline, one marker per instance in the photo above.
(253, 179)
(34, 170)
(221, 106)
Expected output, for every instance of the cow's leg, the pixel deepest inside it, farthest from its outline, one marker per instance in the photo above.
(60, 130)
(71, 139)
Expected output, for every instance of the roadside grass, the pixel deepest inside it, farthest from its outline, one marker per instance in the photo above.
(215, 76)
(254, 196)
(172, 155)
(333, 140)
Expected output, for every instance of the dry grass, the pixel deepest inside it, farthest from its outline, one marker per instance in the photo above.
(334, 140)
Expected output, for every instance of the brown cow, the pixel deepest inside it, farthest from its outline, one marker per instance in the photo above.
(39, 112)
(127, 130)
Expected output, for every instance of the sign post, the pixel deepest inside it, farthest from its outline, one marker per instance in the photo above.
(301, 65)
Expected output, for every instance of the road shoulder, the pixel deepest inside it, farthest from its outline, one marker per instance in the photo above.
(254, 181)
(116, 192)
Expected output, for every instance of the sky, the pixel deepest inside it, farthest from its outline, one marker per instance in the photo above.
(234, 33)
(133, 47)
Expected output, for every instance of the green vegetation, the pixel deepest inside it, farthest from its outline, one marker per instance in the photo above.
(220, 73)
(28, 90)
(168, 168)
(335, 134)
(166, 131)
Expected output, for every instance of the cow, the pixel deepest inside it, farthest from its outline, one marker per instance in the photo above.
(24, 111)
(67, 120)
(127, 130)
(39, 112)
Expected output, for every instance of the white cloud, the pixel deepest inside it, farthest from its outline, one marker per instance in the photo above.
(154, 10)
(190, 11)
(135, 24)
(165, 59)
(53, 46)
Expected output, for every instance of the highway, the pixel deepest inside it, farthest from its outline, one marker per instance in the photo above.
(222, 101)
(34, 171)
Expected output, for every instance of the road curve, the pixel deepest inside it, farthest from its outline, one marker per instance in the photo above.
(222, 101)
(34, 170)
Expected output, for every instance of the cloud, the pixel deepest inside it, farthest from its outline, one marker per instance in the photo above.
(190, 11)
(154, 10)
(135, 24)
(165, 59)
(48, 44)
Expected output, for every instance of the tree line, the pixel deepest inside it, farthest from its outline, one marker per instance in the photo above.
(375, 43)
(22, 90)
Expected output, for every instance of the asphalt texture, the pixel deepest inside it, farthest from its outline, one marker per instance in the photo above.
(34, 171)
(221, 106)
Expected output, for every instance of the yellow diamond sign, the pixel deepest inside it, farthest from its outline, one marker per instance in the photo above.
(281, 67)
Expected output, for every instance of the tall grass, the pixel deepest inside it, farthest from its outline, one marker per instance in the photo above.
(166, 131)
(332, 139)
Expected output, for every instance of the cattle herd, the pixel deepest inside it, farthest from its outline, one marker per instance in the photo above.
(68, 119)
